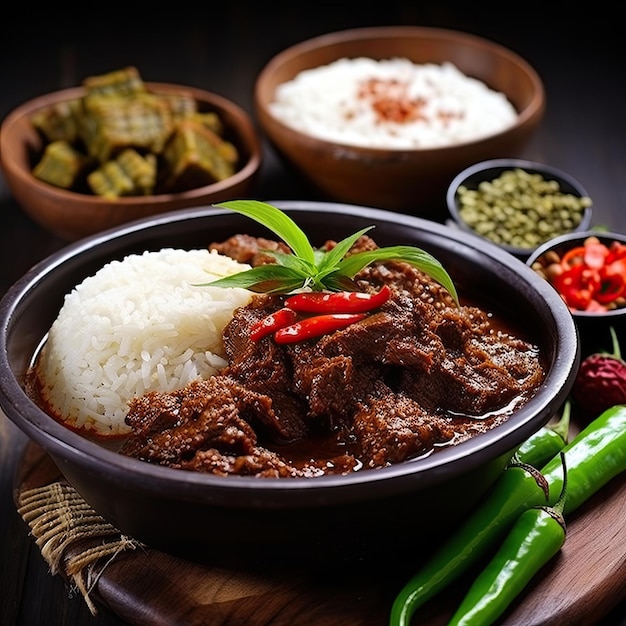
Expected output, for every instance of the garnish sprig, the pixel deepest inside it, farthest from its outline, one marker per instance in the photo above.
(318, 270)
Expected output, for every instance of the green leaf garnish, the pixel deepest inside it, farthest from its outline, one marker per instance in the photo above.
(313, 268)
(264, 279)
(278, 222)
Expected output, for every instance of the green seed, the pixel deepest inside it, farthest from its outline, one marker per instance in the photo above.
(520, 208)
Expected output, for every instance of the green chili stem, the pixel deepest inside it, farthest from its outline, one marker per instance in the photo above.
(547, 442)
(537, 536)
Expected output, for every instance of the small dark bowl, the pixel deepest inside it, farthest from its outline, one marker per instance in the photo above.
(367, 511)
(594, 328)
(472, 176)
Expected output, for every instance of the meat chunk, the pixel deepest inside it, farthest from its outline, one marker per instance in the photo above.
(392, 428)
(251, 250)
(416, 374)
(220, 412)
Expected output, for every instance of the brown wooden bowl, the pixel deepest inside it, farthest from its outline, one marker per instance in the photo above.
(71, 215)
(413, 181)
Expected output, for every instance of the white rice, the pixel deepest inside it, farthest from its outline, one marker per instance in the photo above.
(137, 325)
(409, 106)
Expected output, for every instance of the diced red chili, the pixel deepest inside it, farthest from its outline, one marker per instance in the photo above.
(595, 307)
(595, 255)
(574, 256)
(617, 250)
(592, 273)
(577, 286)
(592, 254)
(612, 282)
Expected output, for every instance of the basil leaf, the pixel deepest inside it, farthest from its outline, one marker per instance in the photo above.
(277, 277)
(416, 257)
(291, 260)
(277, 221)
(332, 257)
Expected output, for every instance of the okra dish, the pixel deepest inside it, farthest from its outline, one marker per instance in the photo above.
(272, 358)
(122, 139)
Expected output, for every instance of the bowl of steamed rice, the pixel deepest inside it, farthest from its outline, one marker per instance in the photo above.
(387, 116)
(192, 432)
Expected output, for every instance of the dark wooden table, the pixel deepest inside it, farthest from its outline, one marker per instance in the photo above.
(222, 49)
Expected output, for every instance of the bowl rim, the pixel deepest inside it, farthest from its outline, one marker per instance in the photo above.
(221, 103)
(483, 167)
(293, 492)
(535, 107)
(567, 238)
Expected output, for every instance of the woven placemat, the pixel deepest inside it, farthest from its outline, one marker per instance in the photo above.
(75, 541)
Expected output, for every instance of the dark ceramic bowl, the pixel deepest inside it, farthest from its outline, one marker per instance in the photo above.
(594, 328)
(182, 511)
(487, 171)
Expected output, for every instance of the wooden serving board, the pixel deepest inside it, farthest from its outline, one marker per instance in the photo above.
(145, 587)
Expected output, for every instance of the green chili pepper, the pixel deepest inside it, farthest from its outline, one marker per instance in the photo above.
(595, 456)
(547, 442)
(537, 535)
(470, 541)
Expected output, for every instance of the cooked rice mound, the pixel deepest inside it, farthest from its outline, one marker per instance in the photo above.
(137, 325)
(391, 103)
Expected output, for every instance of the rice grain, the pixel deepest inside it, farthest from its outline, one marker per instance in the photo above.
(135, 326)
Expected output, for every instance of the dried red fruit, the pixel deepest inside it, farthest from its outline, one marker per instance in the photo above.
(601, 381)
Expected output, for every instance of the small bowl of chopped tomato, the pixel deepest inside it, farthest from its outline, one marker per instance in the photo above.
(588, 270)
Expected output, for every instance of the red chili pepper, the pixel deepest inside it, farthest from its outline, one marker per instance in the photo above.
(316, 326)
(574, 256)
(272, 322)
(612, 282)
(338, 302)
(617, 250)
(577, 285)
